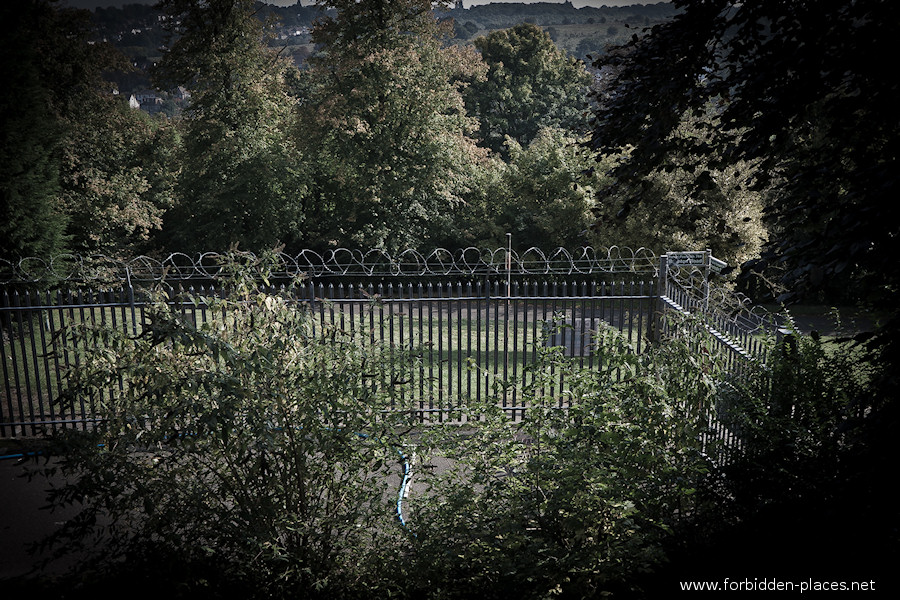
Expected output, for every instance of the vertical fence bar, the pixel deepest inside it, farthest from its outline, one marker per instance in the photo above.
(34, 314)
(420, 300)
(513, 378)
(459, 340)
(67, 353)
(411, 336)
(525, 343)
(393, 344)
(24, 368)
(496, 322)
(478, 298)
(431, 381)
(449, 360)
(55, 350)
(658, 307)
(43, 327)
(6, 413)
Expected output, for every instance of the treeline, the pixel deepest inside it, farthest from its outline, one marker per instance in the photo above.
(389, 137)
(586, 32)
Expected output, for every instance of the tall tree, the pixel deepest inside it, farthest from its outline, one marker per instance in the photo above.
(31, 222)
(381, 109)
(795, 90)
(541, 196)
(241, 178)
(798, 91)
(530, 84)
(686, 205)
(49, 69)
(117, 176)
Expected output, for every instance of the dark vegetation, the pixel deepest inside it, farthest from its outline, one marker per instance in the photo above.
(260, 458)
(765, 131)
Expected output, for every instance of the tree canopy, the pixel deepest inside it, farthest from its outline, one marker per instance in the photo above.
(240, 176)
(381, 112)
(48, 69)
(530, 84)
(797, 91)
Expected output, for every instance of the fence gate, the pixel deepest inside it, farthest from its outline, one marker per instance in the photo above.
(731, 318)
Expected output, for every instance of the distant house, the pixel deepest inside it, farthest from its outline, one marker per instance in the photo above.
(181, 94)
(146, 100)
(147, 97)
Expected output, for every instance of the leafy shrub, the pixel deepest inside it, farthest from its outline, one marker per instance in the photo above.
(254, 452)
(257, 452)
(791, 412)
(575, 501)
(807, 491)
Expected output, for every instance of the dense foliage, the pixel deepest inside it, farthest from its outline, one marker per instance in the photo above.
(572, 503)
(393, 134)
(790, 90)
(530, 84)
(257, 452)
(48, 70)
(808, 491)
(241, 176)
(382, 119)
(261, 452)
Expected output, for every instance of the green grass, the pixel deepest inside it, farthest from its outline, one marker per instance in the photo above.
(464, 347)
(35, 358)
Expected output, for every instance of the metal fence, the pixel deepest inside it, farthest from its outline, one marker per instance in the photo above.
(739, 329)
(475, 317)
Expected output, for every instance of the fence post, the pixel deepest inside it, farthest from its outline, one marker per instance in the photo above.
(706, 274)
(656, 319)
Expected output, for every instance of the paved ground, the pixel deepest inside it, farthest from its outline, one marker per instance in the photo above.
(23, 521)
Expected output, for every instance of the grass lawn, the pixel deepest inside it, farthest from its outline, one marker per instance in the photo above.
(464, 346)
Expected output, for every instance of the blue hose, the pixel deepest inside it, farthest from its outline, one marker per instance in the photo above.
(404, 485)
(20, 455)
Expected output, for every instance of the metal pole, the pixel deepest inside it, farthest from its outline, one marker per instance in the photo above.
(508, 295)
(657, 316)
(706, 268)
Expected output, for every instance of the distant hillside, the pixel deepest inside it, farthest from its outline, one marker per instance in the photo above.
(136, 29)
(579, 31)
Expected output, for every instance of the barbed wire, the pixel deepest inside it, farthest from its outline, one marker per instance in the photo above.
(726, 304)
(338, 262)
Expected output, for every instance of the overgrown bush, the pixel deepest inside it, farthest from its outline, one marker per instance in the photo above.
(792, 415)
(256, 452)
(571, 502)
(808, 492)
(260, 452)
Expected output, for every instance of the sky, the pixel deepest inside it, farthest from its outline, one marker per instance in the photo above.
(91, 4)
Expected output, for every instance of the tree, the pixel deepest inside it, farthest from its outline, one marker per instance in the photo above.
(117, 177)
(530, 84)
(792, 89)
(242, 179)
(795, 90)
(685, 206)
(571, 503)
(380, 107)
(31, 223)
(265, 456)
(49, 70)
(541, 196)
